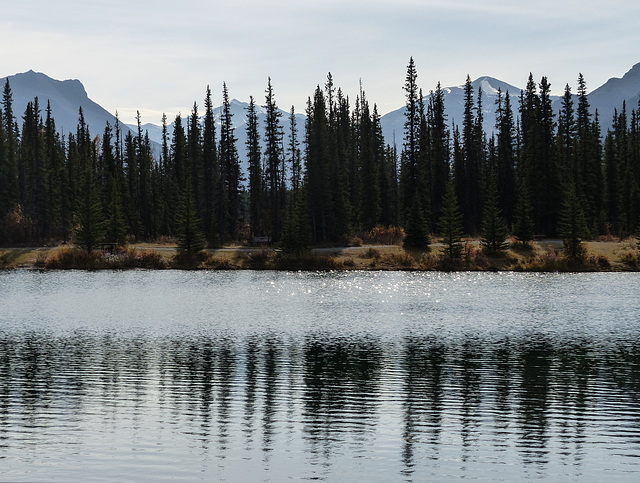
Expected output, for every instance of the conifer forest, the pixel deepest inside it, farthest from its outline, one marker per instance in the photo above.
(538, 173)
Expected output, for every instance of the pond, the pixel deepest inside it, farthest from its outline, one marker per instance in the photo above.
(330, 376)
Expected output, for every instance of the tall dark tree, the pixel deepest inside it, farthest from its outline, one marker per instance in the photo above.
(505, 155)
(211, 175)
(256, 187)
(439, 151)
(33, 172)
(450, 223)
(523, 228)
(189, 234)
(411, 144)
(494, 227)
(590, 186)
(274, 166)
(572, 226)
(8, 154)
(90, 221)
(468, 175)
(231, 175)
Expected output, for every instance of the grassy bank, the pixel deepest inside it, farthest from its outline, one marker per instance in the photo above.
(543, 255)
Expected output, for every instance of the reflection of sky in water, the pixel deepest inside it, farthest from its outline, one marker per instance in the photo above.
(341, 376)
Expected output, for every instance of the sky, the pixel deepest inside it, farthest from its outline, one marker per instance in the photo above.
(159, 56)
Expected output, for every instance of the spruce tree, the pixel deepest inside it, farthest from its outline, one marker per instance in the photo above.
(211, 167)
(494, 228)
(416, 227)
(523, 228)
(572, 226)
(90, 221)
(190, 238)
(256, 187)
(231, 176)
(450, 224)
(274, 166)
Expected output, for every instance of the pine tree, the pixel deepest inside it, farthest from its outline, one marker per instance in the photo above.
(212, 182)
(231, 176)
(494, 228)
(190, 238)
(439, 151)
(450, 225)
(8, 154)
(506, 155)
(115, 226)
(572, 226)
(416, 227)
(90, 222)
(256, 188)
(523, 228)
(411, 145)
(274, 164)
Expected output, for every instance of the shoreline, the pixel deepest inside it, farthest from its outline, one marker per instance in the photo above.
(540, 256)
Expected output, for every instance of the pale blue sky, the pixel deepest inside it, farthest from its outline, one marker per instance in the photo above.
(158, 56)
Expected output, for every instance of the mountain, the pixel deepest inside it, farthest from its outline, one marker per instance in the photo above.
(66, 98)
(610, 96)
(393, 122)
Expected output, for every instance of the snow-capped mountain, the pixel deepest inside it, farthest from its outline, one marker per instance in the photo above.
(393, 122)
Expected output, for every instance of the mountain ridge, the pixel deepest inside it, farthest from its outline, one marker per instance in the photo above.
(67, 96)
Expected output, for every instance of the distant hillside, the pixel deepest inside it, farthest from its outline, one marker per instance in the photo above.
(393, 123)
(67, 96)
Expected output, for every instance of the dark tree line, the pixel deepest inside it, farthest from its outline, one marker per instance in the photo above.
(539, 172)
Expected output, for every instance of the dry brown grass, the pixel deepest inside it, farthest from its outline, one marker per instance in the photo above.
(543, 255)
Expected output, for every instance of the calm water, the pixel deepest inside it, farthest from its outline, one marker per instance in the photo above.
(263, 376)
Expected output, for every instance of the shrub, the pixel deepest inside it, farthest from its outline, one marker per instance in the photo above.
(380, 235)
(630, 258)
(349, 263)
(354, 242)
(72, 258)
(429, 261)
(373, 253)
(259, 259)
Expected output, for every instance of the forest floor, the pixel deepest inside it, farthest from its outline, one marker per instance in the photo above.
(540, 255)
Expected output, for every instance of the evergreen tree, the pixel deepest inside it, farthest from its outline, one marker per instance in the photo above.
(505, 155)
(190, 238)
(90, 222)
(572, 226)
(33, 173)
(523, 228)
(57, 201)
(8, 154)
(494, 228)
(450, 224)
(317, 159)
(411, 145)
(589, 187)
(256, 188)
(274, 166)
(212, 182)
(231, 176)
(469, 174)
(439, 152)
(369, 165)
(115, 225)
(416, 228)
